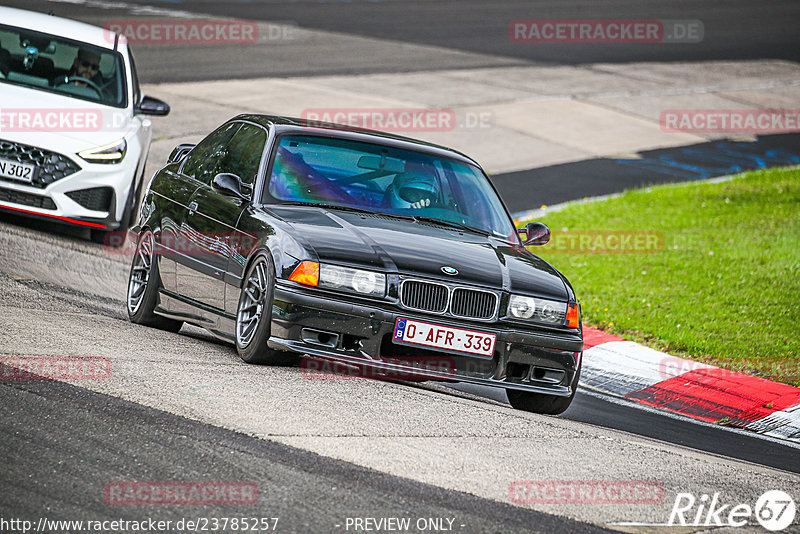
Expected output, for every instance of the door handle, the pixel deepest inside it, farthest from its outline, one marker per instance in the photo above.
(192, 207)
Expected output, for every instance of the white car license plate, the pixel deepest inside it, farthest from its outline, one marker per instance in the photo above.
(444, 337)
(16, 170)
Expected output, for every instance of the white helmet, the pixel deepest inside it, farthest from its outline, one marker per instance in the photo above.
(412, 190)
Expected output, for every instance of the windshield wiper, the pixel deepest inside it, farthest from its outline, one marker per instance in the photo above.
(418, 218)
(352, 209)
(453, 224)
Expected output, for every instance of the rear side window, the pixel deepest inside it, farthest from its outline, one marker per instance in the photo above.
(206, 159)
(244, 152)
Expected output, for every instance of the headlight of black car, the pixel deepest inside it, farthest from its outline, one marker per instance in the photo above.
(339, 278)
(544, 311)
(347, 279)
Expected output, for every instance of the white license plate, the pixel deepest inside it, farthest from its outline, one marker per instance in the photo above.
(16, 170)
(444, 337)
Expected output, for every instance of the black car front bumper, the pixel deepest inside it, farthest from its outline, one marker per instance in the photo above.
(361, 335)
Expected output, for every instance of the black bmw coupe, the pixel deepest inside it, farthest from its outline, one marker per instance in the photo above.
(372, 250)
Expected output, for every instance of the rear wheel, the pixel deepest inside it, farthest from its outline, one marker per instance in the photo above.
(540, 403)
(143, 285)
(254, 316)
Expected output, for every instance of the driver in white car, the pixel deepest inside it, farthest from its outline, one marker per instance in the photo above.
(86, 66)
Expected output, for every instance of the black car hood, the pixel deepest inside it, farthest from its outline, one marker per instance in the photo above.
(411, 247)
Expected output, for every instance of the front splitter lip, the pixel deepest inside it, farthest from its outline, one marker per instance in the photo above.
(101, 224)
(304, 348)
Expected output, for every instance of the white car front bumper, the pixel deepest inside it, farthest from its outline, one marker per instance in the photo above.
(90, 194)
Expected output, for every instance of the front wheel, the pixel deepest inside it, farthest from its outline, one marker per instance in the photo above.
(254, 316)
(540, 403)
(143, 285)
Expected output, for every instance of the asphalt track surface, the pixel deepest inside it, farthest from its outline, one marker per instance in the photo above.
(603, 411)
(63, 443)
(603, 176)
(734, 29)
(418, 35)
(100, 278)
(82, 440)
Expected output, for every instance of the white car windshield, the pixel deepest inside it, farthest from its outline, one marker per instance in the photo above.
(351, 174)
(55, 64)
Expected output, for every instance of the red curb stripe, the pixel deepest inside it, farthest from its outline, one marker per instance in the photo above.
(718, 394)
(593, 337)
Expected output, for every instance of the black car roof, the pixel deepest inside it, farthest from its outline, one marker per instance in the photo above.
(296, 125)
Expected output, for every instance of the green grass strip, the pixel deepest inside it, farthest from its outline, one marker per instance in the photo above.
(710, 271)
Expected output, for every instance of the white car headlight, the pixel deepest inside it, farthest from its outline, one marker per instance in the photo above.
(346, 279)
(539, 310)
(521, 307)
(110, 153)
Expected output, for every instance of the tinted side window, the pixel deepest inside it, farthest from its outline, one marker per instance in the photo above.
(205, 160)
(244, 152)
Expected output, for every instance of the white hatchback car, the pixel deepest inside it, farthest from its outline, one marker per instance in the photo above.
(74, 132)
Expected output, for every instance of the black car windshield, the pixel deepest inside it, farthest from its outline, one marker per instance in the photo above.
(49, 63)
(354, 174)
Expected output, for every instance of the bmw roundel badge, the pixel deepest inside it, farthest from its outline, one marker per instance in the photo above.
(449, 270)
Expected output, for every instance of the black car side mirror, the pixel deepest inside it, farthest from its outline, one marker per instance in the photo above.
(151, 106)
(229, 185)
(179, 151)
(536, 233)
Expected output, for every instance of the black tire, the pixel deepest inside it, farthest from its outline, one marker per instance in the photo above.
(254, 316)
(541, 403)
(143, 285)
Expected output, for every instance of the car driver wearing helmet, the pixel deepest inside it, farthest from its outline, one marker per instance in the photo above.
(412, 190)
